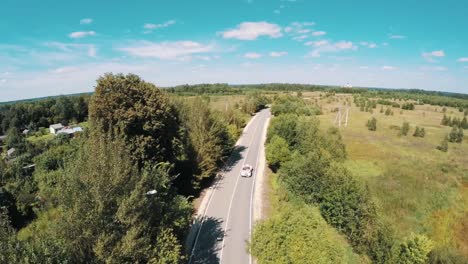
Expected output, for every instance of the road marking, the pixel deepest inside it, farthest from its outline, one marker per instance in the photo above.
(253, 188)
(211, 197)
(232, 197)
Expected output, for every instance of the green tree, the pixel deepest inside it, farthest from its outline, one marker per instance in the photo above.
(140, 111)
(372, 124)
(405, 129)
(419, 132)
(464, 123)
(414, 250)
(456, 135)
(298, 234)
(443, 144)
(277, 152)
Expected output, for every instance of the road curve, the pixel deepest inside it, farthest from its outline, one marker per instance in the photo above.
(226, 223)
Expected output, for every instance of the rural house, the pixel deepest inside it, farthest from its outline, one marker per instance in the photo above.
(55, 128)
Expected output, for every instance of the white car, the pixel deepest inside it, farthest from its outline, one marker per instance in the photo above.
(247, 171)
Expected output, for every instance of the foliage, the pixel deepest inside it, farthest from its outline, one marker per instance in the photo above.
(456, 135)
(277, 152)
(372, 124)
(443, 144)
(298, 234)
(141, 111)
(414, 250)
(404, 129)
(419, 132)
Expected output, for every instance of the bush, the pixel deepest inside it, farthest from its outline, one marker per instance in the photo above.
(414, 250)
(298, 234)
(456, 135)
(405, 129)
(372, 124)
(443, 145)
(419, 132)
(277, 152)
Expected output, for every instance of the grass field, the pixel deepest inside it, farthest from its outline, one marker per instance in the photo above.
(417, 187)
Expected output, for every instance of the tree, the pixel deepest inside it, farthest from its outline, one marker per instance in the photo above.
(419, 132)
(140, 111)
(405, 129)
(277, 152)
(414, 250)
(456, 135)
(443, 145)
(464, 123)
(109, 214)
(372, 124)
(445, 121)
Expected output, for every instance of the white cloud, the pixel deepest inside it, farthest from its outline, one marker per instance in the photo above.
(388, 68)
(252, 55)
(363, 67)
(166, 50)
(465, 59)
(328, 47)
(253, 30)
(318, 33)
(65, 70)
(150, 26)
(370, 45)
(429, 56)
(277, 11)
(300, 38)
(396, 36)
(433, 68)
(81, 34)
(278, 53)
(317, 43)
(72, 49)
(86, 21)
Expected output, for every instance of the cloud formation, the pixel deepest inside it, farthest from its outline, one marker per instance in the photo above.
(150, 26)
(464, 59)
(166, 50)
(429, 56)
(278, 53)
(253, 30)
(328, 47)
(86, 21)
(388, 68)
(252, 55)
(81, 34)
(391, 36)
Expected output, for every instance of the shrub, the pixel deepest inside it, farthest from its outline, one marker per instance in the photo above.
(298, 234)
(372, 124)
(419, 132)
(443, 145)
(277, 152)
(404, 129)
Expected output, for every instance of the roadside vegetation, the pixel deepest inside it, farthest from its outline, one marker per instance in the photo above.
(395, 199)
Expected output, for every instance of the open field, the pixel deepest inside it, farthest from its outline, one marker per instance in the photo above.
(417, 187)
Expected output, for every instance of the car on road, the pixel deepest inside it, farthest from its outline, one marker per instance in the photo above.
(247, 171)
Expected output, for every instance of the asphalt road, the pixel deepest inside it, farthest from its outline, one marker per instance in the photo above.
(227, 223)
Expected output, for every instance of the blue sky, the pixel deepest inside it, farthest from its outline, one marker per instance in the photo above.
(60, 47)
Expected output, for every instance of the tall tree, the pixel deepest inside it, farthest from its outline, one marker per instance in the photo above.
(140, 111)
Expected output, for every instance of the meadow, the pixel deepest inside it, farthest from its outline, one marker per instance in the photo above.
(417, 188)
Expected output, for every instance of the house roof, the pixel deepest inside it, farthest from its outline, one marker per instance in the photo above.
(70, 130)
(56, 126)
(11, 151)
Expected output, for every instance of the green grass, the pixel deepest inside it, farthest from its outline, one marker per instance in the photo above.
(417, 187)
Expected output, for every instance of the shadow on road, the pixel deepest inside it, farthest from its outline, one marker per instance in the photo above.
(208, 244)
(235, 157)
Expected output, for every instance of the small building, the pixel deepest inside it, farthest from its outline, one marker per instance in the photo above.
(26, 132)
(55, 128)
(11, 153)
(70, 131)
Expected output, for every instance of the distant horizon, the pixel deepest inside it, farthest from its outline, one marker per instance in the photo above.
(238, 84)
